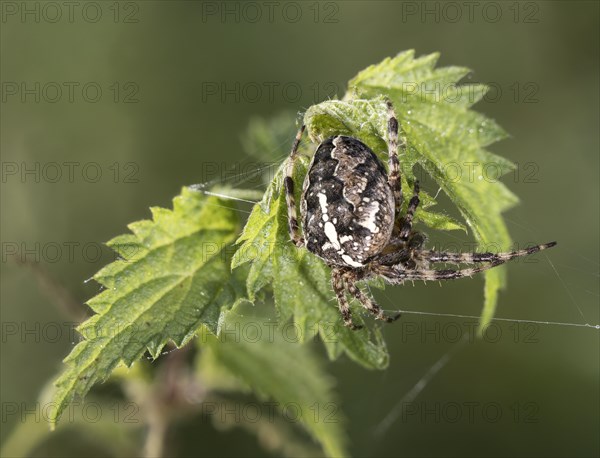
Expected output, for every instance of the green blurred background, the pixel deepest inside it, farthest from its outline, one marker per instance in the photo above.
(157, 125)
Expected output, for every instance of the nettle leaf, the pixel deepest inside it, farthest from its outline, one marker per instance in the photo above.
(444, 137)
(250, 356)
(299, 280)
(173, 277)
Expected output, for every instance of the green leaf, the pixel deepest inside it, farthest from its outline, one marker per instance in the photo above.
(173, 277)
(444, 137)
(250, 354)
(299, 280)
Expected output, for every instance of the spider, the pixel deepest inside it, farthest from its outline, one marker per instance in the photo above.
(352, 220)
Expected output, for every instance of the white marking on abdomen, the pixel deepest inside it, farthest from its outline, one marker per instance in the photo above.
(371, 222)
(323, 202)
(345, 238)
(351, 262)
(332, 235)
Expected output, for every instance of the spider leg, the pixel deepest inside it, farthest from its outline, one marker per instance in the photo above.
(399, 276)
(472, 258)
(289, 192)
(369, 303)
(410, 212)
(337, 282)
(394, 179)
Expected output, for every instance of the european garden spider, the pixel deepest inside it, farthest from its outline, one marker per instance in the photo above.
(351, 219)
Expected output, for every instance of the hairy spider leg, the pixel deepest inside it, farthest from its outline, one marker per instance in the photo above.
(473, 258)
(394, 178)
(407, 220)
(397, 276)
(289, 192)
(338, 284)
(368, 303)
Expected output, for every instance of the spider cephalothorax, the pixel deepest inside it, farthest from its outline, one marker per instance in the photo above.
(351, 218)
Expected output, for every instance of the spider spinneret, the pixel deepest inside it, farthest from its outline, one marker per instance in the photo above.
(352, 219)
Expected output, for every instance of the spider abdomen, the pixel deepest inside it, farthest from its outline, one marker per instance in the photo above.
(347, 204)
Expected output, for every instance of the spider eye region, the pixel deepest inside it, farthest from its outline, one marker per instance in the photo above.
(347, 205)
